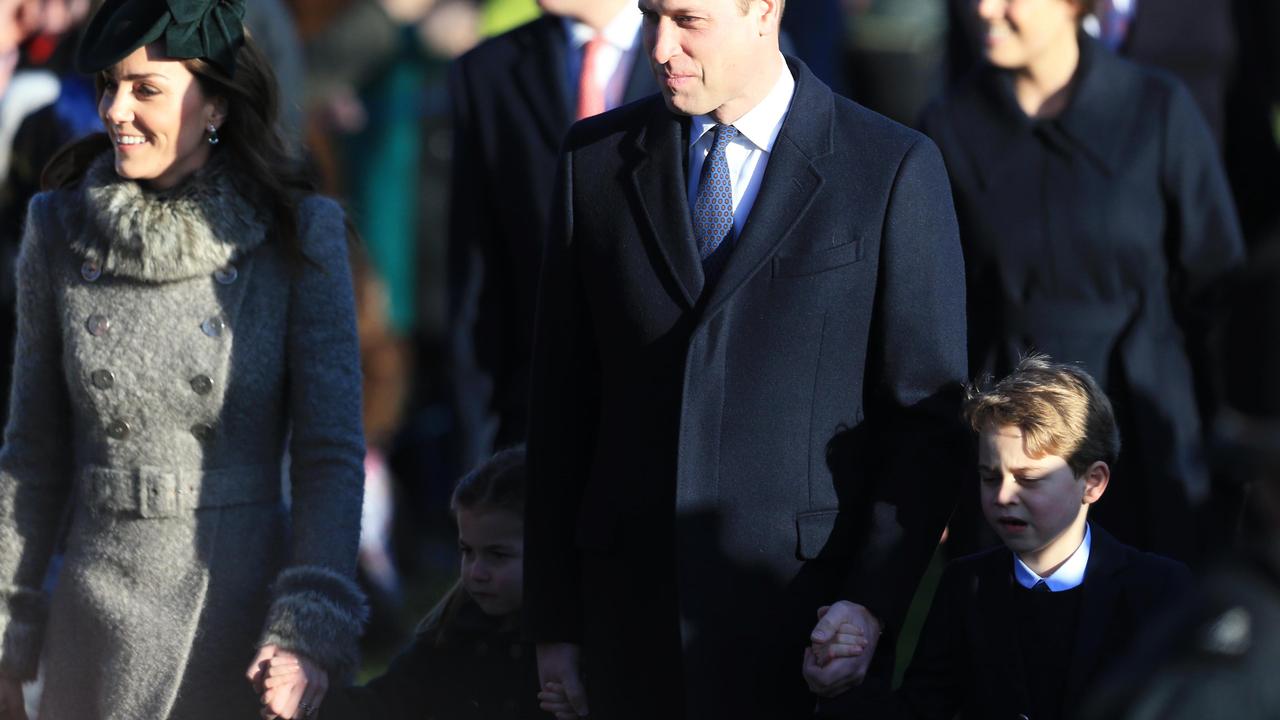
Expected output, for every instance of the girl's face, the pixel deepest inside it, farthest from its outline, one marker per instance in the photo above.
(492, 546)
(1018, 33)
(157, 117)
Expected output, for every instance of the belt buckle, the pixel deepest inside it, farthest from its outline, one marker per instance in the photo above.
(157, 493)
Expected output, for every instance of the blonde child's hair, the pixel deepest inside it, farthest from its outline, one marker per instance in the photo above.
(1059, 408)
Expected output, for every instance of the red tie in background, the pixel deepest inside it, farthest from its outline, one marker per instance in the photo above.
(590, 93)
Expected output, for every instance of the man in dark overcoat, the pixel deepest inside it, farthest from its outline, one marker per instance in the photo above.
(740, 411)
(514, 97)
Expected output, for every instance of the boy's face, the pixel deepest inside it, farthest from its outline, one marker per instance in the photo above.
(1036, 505)
(492, 547)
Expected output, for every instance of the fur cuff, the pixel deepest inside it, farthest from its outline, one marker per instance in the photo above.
(22, 619)
(318, 613)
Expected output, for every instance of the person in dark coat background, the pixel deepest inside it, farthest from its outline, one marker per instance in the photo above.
(514, 97)
(1216, 657)
(1097, 227)
(1223, 50)
(720, 446)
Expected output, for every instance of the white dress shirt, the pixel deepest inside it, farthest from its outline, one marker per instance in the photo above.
(1068, 575)
(748, 154)
(615, 59)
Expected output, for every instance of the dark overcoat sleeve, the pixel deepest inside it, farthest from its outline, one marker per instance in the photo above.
(916, 370)
(1205, 242)
(563, 409)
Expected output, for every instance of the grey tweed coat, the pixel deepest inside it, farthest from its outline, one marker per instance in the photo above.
(166, 352)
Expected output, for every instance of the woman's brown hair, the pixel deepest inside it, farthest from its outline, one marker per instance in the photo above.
(250, 136)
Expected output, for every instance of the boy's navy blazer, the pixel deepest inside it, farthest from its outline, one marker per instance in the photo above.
(968, 660)
(511, 109)
(714, 462)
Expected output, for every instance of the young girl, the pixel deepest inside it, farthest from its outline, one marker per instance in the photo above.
(467, 660)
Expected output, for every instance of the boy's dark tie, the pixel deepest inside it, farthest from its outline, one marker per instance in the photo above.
(713, 209)
(1040, 586)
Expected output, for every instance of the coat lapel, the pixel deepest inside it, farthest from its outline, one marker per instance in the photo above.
(657, 180)
(1097, 606)
(539, 72)
(1101, 113)
(790, 183)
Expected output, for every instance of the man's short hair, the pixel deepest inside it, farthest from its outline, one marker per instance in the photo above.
(1059, 408)
(745, 5)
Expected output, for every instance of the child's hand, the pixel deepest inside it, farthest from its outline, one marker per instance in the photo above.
(555, 700)
(843, 640)
(292, 685)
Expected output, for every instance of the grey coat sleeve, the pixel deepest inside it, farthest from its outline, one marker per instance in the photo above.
(35, 465)
(317, 609)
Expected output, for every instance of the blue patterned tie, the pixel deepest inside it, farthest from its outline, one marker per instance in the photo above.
(713, 210)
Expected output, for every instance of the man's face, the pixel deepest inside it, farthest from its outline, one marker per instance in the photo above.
(706, 54)
(1036, 505)
(492, 548)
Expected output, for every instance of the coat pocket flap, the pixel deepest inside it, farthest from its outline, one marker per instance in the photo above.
(816, 262)
(813, 531)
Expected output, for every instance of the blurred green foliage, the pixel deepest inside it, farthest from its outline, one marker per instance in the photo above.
(499, 16)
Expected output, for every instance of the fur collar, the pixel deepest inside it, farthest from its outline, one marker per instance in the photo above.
(193, 229)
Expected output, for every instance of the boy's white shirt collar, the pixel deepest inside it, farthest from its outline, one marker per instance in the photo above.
(1068, 575)
(761, 124)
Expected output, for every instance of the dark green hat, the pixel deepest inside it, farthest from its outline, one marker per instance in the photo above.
(208, 29)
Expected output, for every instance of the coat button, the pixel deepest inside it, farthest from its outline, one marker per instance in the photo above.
(97, 325)
(203, 431)
(213, 326)
(226, 275)
(118, 429)
(202, 384)
(90, 270)
(103, 379)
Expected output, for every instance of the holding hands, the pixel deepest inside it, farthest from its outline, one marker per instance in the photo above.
(559, 672)
(290, 686)
(841, 647)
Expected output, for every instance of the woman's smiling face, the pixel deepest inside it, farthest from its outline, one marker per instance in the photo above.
(157, 116)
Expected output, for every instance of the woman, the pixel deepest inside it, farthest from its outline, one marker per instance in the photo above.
(1097, 227)
(185, 305)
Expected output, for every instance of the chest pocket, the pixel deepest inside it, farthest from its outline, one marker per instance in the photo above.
(817, 262)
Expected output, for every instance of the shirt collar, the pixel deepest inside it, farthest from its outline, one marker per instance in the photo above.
(621, 32)
(762, 123)
(1068, 575)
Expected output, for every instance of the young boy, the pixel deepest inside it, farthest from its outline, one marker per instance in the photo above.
(1022, 630)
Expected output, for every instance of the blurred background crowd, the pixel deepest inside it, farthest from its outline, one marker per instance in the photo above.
(367, 97)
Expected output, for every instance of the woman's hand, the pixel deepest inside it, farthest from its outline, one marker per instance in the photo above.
(290, 685)
(12, 706)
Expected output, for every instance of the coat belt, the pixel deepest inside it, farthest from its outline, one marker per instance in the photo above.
(151, 492)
